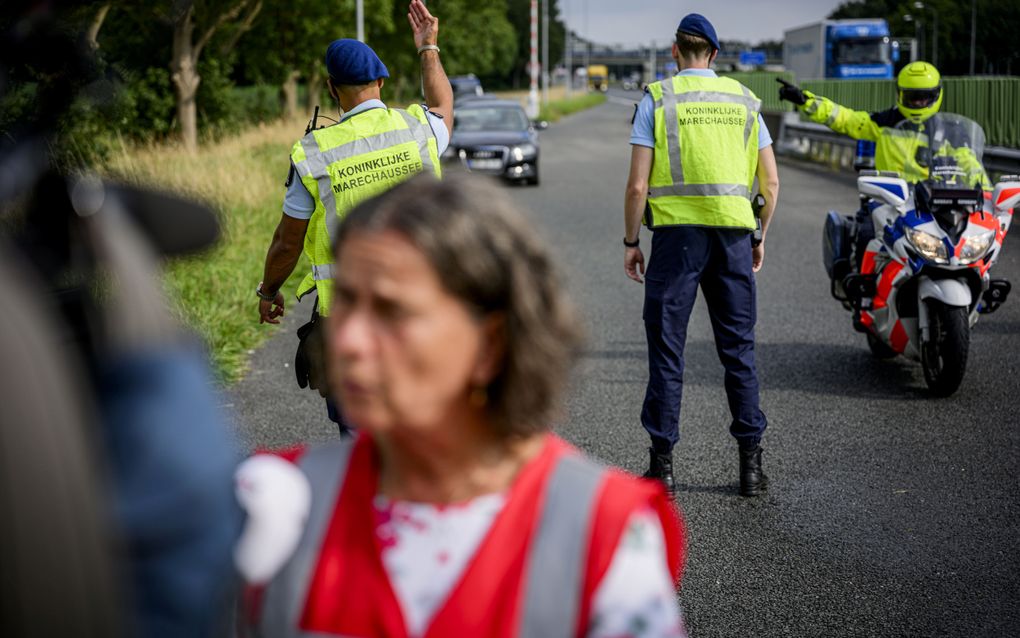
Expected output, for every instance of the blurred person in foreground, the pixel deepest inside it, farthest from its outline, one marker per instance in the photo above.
(372, 148)
(455, 511)
(117, 495)
(117, 457)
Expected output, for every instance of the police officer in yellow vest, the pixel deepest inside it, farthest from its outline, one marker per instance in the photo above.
(698, 142)
(371, 149)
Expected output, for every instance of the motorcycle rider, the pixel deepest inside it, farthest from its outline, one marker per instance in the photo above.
(919, 96)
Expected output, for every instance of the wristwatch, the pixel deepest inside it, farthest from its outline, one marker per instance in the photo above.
(264, 296)
(631, 244)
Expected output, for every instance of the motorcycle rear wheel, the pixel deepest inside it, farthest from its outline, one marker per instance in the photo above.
(944, 355)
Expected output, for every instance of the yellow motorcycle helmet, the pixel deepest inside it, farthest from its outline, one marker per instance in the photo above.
(918, 91)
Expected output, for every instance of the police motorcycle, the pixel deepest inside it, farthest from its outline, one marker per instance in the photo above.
(913, 265)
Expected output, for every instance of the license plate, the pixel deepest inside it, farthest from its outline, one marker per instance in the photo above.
(485, 164)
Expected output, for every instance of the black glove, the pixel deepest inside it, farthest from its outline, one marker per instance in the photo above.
(791, 93)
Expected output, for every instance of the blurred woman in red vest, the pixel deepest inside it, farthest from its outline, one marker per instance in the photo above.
(455, 512)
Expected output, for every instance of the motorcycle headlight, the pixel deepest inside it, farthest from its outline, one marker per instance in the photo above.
(523, 151)
(928, 246)
(975, 247)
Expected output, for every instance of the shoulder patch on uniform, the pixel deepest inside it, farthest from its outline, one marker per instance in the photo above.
(633, 116)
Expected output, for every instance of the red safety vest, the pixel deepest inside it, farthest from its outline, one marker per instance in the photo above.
(534, 573)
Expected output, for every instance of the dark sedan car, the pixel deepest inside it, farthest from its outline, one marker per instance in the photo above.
(494, 137)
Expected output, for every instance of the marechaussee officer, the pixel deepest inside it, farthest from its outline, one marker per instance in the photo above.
(371, 149)
(698, 142)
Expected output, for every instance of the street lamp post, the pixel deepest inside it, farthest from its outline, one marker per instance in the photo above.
(587, 44)
(918, 44)
(934, 30)
(569, 63)
(360, 18)
(533, 63)
(568, 54)
(545, 52)
(973, 31)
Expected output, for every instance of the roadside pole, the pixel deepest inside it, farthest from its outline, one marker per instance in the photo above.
(545, 52)
(533, 63)
(569, 63)
(360, 12)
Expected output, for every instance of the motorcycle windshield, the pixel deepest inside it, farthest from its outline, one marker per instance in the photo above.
(946, 150)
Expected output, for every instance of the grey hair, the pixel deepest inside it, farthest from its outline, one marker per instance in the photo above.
(490, 257)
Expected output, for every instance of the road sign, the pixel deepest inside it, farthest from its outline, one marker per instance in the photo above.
(752, 58)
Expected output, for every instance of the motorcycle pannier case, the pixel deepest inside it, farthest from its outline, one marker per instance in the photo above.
(836, 245)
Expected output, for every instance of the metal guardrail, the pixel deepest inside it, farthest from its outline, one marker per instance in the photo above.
(819, 143)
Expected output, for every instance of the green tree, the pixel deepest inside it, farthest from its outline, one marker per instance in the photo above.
(195, 23)
(519, 13)
(475, 37)
(288, 42)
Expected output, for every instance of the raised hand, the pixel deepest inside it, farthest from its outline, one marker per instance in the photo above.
(424, 25)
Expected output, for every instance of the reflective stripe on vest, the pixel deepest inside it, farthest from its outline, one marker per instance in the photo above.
(710, 201)
(325, 467)
(322, 272)
(556, 565)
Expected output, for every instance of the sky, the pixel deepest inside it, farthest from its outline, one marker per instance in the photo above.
(638, 22)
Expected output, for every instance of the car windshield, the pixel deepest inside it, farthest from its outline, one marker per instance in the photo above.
(862, 52)
(494, 118)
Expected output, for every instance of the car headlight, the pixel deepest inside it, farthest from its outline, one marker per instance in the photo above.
(523, 151)
(975, 247)
(929, 246)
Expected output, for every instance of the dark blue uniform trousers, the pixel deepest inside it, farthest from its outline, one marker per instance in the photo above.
(720, 261)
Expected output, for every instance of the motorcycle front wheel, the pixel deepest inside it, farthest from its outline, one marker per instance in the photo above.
(944, 355)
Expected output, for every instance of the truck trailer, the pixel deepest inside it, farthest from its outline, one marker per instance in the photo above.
(842, 49)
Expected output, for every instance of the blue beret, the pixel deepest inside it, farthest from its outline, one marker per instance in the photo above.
(353, 62)
(697, 24)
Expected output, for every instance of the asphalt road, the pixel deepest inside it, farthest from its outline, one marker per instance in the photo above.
(889, 512)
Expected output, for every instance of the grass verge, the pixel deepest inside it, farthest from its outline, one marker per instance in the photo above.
(242, 179)
(559, 105)
(556, 109)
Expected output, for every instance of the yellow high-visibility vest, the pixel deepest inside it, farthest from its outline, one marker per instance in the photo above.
(706, 153)
(344, 164)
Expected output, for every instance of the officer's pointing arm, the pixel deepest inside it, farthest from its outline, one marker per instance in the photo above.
(438, 92)
(856, 124)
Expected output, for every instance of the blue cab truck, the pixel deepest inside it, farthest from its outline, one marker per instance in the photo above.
(840, 49)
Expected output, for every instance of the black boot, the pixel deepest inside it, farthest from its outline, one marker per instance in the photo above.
(660, 467)
(752, 478)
